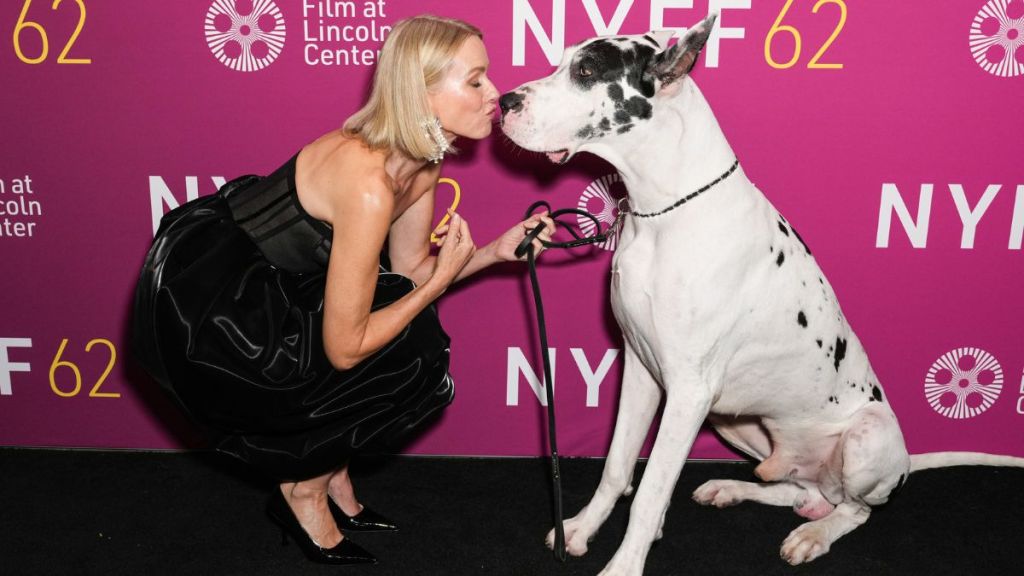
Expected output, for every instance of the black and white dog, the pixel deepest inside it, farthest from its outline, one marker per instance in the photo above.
(722, 307)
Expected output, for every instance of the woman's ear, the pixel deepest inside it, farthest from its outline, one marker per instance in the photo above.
(670, 66)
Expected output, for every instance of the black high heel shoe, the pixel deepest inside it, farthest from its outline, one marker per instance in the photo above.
(346, 552)
(365, 521)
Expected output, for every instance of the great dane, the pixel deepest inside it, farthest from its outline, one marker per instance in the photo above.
(722, 308)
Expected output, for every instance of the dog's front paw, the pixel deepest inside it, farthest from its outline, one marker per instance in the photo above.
(576, 538)
(805, 543)
(719, 493)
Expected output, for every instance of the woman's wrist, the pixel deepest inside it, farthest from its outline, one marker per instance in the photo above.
(482, 258)
(434, 287)
(488, 255)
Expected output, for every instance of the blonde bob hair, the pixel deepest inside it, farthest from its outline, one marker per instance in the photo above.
(413, 60)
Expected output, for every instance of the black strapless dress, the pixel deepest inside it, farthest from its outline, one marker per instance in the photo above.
(228, 318)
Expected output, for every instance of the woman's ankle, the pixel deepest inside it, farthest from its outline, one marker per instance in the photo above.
(343, 493)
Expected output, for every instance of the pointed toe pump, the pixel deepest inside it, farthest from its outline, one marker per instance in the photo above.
(346, 552)
(365, 521)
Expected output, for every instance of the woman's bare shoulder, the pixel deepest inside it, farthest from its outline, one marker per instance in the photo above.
(338, 173)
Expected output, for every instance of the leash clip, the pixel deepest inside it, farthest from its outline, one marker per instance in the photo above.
(623, 208)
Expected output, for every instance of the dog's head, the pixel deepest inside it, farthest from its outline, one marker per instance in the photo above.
(603, 89)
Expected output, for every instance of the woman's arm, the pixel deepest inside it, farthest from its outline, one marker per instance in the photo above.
(409, 238)
(361, 222)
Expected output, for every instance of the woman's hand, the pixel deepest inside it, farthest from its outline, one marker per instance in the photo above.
(506, 244)
(456, 251)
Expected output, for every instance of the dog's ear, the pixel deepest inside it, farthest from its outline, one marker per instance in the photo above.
(661, 38)
(671, 65)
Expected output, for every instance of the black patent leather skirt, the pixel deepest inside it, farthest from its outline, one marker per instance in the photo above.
(238, 343)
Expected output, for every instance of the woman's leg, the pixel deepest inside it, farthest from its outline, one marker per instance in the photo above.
(341, 491)
(308, 500)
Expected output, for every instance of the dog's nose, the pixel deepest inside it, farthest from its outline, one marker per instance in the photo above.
(512, 101)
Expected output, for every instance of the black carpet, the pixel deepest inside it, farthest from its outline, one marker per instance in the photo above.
(102, 512)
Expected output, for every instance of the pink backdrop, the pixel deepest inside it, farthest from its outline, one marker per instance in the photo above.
(902, 170)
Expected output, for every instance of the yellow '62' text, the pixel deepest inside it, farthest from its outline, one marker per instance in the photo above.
(779, 28)
(25, 26)
(64, 391)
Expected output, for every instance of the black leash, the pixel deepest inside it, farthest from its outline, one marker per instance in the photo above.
(526, 248)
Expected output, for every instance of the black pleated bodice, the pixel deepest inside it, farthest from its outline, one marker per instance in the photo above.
(270, 212)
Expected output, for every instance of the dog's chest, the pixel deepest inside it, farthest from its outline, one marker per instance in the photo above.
(632, 282)
(638, 299)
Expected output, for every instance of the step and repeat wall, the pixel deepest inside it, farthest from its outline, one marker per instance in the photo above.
(891, 134)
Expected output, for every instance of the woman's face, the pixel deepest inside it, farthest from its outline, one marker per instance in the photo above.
(465, 99)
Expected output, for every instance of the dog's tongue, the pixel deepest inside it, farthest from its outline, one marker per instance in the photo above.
(558, 156)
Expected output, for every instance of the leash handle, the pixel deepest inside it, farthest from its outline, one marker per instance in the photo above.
(526, 246)
(577, 240)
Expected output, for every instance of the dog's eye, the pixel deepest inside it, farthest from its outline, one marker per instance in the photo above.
(584, 71)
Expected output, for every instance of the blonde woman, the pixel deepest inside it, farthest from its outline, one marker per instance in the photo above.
(267, 312)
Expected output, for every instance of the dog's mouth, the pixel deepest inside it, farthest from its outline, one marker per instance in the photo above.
(558, 156)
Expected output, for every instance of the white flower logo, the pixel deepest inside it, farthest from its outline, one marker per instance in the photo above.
(963, 383)
(600, 200)
(997, 37)
(242, 37)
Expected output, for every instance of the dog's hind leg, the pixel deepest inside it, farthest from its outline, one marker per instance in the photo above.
(873, 465)
(688, 399)
(638, 402)
(813, 539)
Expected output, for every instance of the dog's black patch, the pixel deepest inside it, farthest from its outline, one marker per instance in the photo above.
(585, 132)
(625, 128)
(605, 124)
(797, 234)
(598, 62)
(819, 342)
(780, 259)
(801, 319)
(876, 393)
(840, 351)
(604, 62)
(637, 77)
(783, 228)
(626, 109)
(616, 93)
(638, 107)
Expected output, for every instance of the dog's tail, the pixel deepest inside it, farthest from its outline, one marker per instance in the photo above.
(947, 459)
